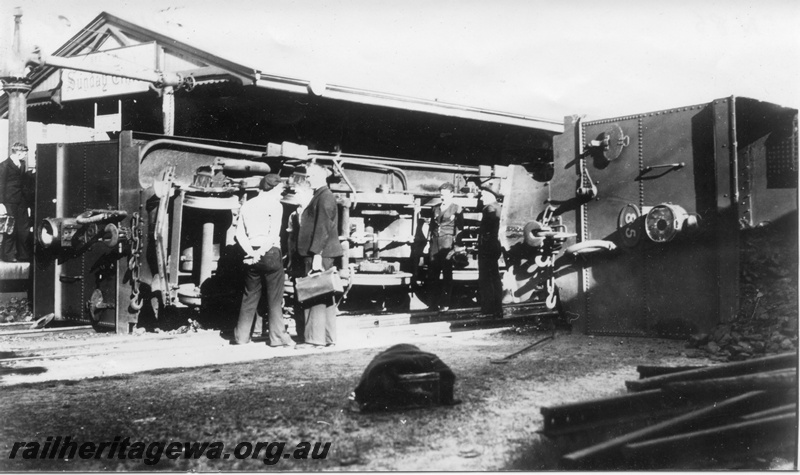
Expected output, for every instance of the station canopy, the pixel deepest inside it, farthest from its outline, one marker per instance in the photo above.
(238, 97)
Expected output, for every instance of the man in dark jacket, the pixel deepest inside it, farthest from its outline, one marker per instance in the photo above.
(14, 192)
(489, 284)
(445, 225)
(318, 244)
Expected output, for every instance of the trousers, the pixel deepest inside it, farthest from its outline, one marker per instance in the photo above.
(265, 275)
(438, 265)
(320, 313)
(490, 286)
(15, 245)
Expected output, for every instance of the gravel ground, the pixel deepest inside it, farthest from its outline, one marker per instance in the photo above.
(296, 398)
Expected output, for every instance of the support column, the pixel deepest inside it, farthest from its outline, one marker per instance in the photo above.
(17, 112)
(168, 110)
(16, 87)
(206, 252)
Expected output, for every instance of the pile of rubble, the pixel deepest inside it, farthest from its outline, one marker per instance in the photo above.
(767, 320)
(15, 310)
(738, 415)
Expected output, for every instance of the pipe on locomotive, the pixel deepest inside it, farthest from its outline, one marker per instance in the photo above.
(213, 148)
(338, 160)
(398, 162)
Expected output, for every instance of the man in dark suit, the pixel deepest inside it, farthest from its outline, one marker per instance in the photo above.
(14, 196)
(489, 251)
(445, 225)
(318, 244)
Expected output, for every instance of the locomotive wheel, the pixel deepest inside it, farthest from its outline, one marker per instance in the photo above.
(97, 306)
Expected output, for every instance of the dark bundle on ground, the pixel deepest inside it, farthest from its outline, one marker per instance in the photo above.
(382, 385)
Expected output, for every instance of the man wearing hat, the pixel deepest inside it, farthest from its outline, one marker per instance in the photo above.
(489, 250)
(13, 193)
(318, 244)
(258, 233)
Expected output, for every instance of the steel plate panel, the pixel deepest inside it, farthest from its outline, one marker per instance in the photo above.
(44, 263)
(681, 279)
(72, 275)
(614, 290)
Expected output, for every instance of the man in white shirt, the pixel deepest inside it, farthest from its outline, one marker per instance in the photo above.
(258, 233)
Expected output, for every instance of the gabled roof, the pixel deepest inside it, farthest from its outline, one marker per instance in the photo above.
(107, 32)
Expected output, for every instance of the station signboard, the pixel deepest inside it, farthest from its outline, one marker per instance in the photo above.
(77, 85)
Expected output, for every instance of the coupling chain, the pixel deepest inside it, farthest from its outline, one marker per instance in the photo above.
(133, 263)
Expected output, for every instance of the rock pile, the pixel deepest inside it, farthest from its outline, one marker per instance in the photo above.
(15, 310)
(768, 308)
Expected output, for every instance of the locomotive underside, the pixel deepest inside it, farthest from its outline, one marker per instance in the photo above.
(139, 229)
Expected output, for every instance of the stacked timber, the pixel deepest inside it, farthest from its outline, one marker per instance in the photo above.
(740, 415)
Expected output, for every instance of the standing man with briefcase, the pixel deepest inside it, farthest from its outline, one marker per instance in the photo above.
(318, 244)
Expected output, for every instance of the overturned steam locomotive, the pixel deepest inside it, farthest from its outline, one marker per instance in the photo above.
(630, 229)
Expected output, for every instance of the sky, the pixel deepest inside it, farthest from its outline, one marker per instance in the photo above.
(540, 58)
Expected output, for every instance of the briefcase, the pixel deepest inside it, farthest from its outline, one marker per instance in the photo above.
(318, 284)
(6, 224)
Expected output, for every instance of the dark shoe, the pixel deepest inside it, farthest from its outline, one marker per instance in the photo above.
(330, 345)
(236, 343)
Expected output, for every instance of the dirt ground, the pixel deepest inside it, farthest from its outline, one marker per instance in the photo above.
(296, 398)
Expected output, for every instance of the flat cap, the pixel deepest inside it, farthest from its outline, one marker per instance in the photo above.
(269, 181)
